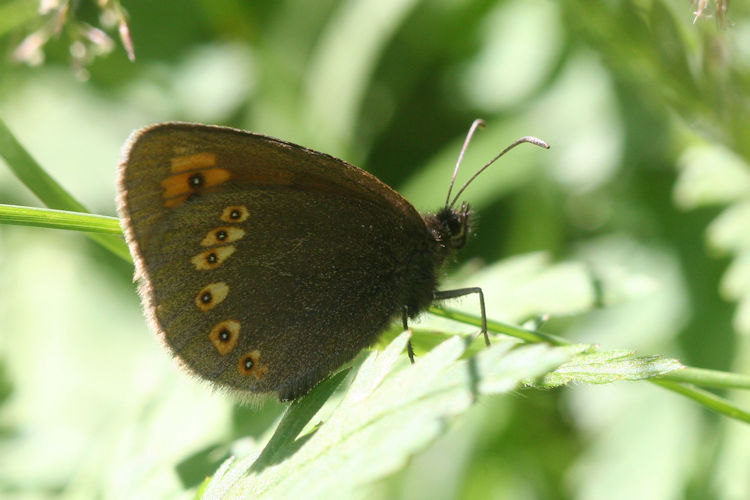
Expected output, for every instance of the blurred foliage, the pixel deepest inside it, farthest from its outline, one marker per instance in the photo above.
(646, 189)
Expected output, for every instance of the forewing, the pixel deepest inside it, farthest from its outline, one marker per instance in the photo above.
(271, 266)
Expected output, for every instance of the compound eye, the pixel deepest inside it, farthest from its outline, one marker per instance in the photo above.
(458, 234)
(458, 240)
(455, 226)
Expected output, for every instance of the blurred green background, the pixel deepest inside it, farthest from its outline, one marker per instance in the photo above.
(646, 187)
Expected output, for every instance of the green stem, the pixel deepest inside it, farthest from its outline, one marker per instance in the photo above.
(34, 177)
(705, 398)
(708, 378)
(677, 380)
(58, 219)
(497, 327)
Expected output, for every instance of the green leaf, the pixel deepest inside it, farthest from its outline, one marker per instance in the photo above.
(709, 175)
(728, 231)
(390, 411)
(602, 367)
(295, 419)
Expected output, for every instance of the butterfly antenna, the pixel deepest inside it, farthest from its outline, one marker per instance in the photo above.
(474, 126)
(532, 140)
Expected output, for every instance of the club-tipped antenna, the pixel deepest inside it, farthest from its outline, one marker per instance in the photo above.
(474, 126)
(528, 138)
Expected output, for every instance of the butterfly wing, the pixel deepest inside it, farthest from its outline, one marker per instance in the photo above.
(265, 265)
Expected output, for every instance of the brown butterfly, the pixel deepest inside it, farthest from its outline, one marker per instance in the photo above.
(264, 265)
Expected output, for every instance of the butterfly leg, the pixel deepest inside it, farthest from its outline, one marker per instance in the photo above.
(460, 292)
(405, 321)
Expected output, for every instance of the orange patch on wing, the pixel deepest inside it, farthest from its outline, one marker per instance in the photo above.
(235, 213)
(193, 162)
(224, 336)
(224, 234)
(250, 364)
(178, 188)
(193, 182)
(211, 296)
(211, 259)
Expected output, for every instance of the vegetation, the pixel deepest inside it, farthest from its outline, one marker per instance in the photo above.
(616, 265)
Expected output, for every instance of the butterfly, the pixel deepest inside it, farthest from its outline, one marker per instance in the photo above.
(263, 265)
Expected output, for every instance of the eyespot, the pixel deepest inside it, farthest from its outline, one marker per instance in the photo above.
(249, 364)
(235, 213)
(223, 234)
(179, 187)
(211, 295)
(196, 180)
(224, 336)
(211, 259)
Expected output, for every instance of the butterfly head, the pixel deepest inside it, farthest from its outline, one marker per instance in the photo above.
(450, 227)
